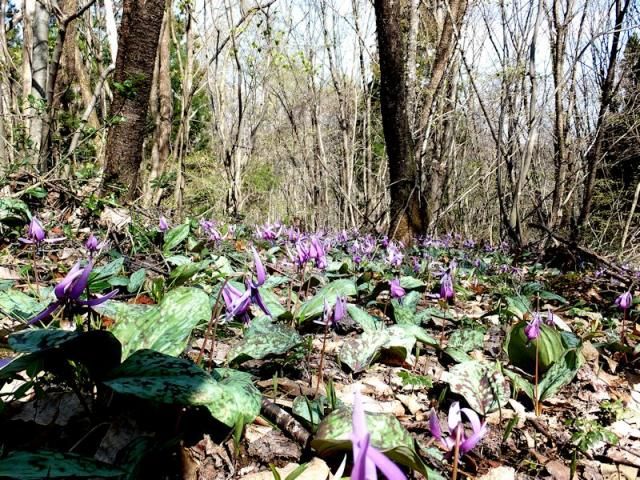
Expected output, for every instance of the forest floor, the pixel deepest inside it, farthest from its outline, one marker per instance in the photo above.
(180, 375)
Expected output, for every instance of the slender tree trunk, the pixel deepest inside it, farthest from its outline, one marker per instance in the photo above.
(137, 46)
(406, 211)
(39, 74)
(162, 139)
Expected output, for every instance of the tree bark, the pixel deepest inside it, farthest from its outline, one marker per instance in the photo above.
(406, 211)
(137, 46)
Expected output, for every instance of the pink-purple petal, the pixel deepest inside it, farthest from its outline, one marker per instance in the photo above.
(386, 466)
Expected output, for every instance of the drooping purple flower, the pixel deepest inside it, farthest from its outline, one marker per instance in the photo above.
(69, 290)
(532, 330)
(36, 233)
(396, 289)
(624, 301)
(318, 253)
(210, 228)
(551, 319)
(447, 292)
(366, 458)
(163, 225)
(456, 429)
(269, 231)
(417, 264)
(93, 244)
(253, 286)
(332, 316)
(237, 303)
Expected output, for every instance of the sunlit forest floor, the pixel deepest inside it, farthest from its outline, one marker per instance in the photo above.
(206, 350)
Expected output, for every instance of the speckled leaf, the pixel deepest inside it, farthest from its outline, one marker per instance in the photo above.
(239, 399)
(50, 464)
(229, 395)
(466, 339)
(404, 310)
(182, 273)
(411, 283)
(13, 211)
(387, 434)
(262, 339)
(419, 333)
(136, 280)
(560, 374)
(480, 383)
(309, 410)
(272, 302)
(36, 340)
(359, 352)
(175, 237)
(19, 306)
(313, 307)
(367, 322)
(166, 327)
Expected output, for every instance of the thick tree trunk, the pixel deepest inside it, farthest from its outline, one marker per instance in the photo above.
(137, 46)
(39, 74)
(407, 219)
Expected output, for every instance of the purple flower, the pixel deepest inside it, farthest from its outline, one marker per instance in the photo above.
(456, 429)
(446, 287)
(237, 303)
(394, 255)
(332, 316)
(366, 458)
(417, 264)
(210, 229)
(253, 286)
(36, 233)
(396, 289)
(93, 244)
(317, 253)
(624, 301)
(551, 319)
(69, 290)
(163, 225)
(532, 330)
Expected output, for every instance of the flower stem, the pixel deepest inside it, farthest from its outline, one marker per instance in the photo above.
(321, 365)
(535, 393)
(456, 453)
(623, 338)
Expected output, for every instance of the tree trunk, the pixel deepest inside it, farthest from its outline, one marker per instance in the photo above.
(39, 66)
(406, 211)
(137, 47)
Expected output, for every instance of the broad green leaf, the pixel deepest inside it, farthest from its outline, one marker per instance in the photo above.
(109, 270)
(184, 272)
(404, 310)
(518, 306)
(263, 339)
(29, 341)
(19, 306)
(13, 211)
(175, 237)
(387, 435)
(310, 410)
(466, 339)
(418, 332)
(164, 328)
(272, 302)
(457, 355)
(338, 288)
(411, 283)
(522, 351)
(367, 322)
(480, 383)
(229, 395)
(177, 260)
(50, 464)
(360, 352)
(136, 280)
(520, 383)
(560, 374)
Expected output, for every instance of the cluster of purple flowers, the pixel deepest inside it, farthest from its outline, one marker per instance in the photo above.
(210, 229)
(269, 231)
(310, 249)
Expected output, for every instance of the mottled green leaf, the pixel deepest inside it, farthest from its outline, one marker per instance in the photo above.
(50, 464)
(309, 410)
(13, 211)
(136, 280)
(313, 307)
(411, 283)
(19, 306)
(387, 435)
(480, 383)
(560, 374)
(359, 352)
(263, 339)
(175, 237)
(29, 341)
(166, 327)
(184, 272)
(367, 322)
(466, 339)
(229, 395)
